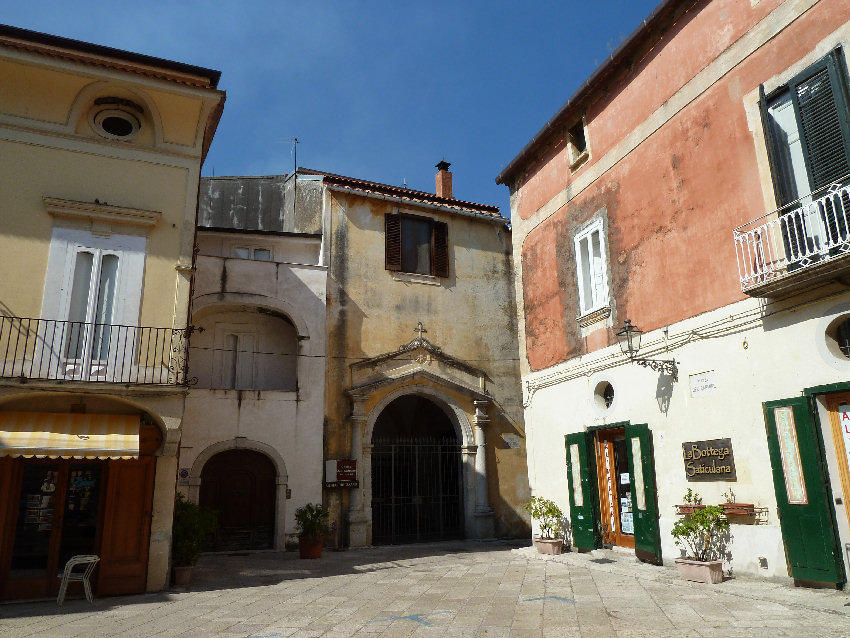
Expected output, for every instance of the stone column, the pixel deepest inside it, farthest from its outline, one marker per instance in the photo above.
(483, 512)
(358, 520)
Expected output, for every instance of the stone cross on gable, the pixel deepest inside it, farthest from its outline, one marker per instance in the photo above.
(419, 329)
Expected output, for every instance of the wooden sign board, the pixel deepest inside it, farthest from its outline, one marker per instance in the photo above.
(709, 460)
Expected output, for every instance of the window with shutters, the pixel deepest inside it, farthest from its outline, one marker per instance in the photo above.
(416, 245)
(807, 127)
(591, 268)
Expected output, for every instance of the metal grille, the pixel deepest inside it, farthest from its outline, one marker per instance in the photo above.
(416, 490)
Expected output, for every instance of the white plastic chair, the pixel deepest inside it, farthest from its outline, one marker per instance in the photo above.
(68, 575)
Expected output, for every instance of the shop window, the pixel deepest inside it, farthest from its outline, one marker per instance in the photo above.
(416, 245)
(591, 268)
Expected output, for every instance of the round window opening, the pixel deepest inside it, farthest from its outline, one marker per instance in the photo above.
(841, 335)
(604, 395)
(116, 124)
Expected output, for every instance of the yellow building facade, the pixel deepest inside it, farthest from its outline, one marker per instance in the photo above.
(422, 385)
(100, 159)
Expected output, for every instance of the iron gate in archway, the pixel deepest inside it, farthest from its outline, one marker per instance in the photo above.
(416, 490)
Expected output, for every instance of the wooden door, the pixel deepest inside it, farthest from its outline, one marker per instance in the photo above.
(803, 495)
(240, 485)
(615, 505)
(839, 417)
(123, 565)
(644, 493)
(584, 498)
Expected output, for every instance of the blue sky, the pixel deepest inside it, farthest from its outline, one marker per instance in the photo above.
(375, 90)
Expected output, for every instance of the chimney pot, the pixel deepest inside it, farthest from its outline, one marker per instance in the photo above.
(444, 180)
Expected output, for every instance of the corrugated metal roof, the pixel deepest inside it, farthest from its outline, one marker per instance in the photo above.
(264, 204)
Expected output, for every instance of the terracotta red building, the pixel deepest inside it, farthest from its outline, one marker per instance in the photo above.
(696, 185)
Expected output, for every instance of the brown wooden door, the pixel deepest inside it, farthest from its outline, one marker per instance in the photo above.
(126, 527)
(614, 491)
(240, 485)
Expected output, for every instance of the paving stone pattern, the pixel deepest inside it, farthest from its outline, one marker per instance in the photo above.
(492, 590)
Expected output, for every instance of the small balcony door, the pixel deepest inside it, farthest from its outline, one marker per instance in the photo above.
(90, 314)
(90, 310)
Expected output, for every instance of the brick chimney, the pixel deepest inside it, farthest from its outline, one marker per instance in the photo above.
(444, 180)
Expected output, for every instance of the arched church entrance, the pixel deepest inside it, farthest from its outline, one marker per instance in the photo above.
(416, 474)
(240, 485)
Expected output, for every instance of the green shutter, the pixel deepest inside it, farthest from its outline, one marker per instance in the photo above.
(644, 494)
(584, 497)
(819, 96)
(779, 181)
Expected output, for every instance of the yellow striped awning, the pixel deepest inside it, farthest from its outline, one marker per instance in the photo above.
(76, 436)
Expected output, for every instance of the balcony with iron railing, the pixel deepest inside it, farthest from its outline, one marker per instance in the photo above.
(71, 351)
(799, 245)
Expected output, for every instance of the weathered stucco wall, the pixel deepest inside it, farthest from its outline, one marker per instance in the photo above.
(673, 200)
(470, 315)
(677, 162)
(283, 302)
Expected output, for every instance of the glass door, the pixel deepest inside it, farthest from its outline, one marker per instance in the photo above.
(58, 507)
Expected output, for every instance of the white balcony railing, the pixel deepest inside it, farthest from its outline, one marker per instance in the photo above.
(804, 234)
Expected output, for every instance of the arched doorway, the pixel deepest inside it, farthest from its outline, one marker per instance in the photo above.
(240, 485)
(416, 474)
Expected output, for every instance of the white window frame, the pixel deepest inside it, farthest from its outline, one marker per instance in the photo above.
(246, 358)
(591, 269)
(65, 244)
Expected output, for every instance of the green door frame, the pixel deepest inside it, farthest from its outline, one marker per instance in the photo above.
(585, 516)
(809, 526)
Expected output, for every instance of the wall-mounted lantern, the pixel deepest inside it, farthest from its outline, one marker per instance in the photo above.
(629, 339)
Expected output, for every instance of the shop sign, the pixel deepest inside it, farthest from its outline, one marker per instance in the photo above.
(709, 460)
(341, 473)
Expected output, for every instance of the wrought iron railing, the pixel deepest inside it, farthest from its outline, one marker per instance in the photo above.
(73, 351)
(803, 234)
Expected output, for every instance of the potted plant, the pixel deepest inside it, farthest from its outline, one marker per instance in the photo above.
(703, 536)
(549, 516)
(733, 508)
(312, 522)
(192, 525)
(692, 502)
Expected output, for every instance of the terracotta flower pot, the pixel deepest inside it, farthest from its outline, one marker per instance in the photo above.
(738, 509)
(182, 575)
(688, 508)
(310, 547)
(552, 546)
(710, 572)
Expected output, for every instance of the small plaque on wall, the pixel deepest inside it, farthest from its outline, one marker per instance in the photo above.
(709, 460)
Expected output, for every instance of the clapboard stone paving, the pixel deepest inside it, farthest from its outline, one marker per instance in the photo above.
(490, 589)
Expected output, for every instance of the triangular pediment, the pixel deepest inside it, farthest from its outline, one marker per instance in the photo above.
(419, 357)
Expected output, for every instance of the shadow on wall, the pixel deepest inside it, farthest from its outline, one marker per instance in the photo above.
(664, 392)
(510, 521)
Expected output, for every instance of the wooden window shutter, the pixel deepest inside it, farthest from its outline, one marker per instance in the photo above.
(820, 105)
(441, 249)
(392, 232)
(779, 190)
